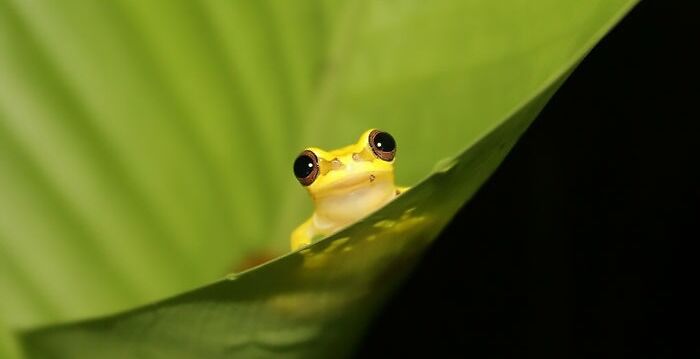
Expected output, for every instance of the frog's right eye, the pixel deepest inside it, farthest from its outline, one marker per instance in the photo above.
(306, 168)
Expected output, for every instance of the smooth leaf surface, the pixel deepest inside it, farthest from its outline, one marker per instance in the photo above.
(146, 147)
(310, 304)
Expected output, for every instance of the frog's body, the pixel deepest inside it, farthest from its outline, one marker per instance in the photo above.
(345, 184)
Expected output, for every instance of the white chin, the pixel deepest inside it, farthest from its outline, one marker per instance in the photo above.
(337, 211)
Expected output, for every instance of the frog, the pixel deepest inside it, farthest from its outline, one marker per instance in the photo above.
(345, 184)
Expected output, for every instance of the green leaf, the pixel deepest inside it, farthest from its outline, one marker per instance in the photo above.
(145, 147)
(312, 303)
(8, 348)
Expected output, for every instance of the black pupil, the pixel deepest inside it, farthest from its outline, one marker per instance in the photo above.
(303, 166)
(384, 142)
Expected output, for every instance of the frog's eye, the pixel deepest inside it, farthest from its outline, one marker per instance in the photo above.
(382, 144)
(306, 168)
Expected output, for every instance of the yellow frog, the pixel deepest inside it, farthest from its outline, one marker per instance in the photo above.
(345, 184)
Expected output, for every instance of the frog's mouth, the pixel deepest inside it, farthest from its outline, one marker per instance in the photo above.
(352, 183)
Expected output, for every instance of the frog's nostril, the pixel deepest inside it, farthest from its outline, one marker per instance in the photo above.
(372, 178)
(336, 164)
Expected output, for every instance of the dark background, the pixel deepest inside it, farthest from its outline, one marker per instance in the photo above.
(566, 251)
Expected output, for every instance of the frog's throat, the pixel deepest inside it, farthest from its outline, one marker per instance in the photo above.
(333, 212)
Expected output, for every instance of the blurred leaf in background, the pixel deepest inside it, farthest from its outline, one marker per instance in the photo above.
(145, 148)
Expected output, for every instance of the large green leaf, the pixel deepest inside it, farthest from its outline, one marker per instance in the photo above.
(312, 303)
(145, 147)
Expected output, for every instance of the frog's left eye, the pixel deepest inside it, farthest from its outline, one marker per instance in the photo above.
(382, 144)
(306, 168)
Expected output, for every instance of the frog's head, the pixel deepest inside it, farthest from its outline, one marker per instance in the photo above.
(366, 166)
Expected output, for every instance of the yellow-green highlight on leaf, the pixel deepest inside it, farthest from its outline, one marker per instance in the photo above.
(146, 147)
